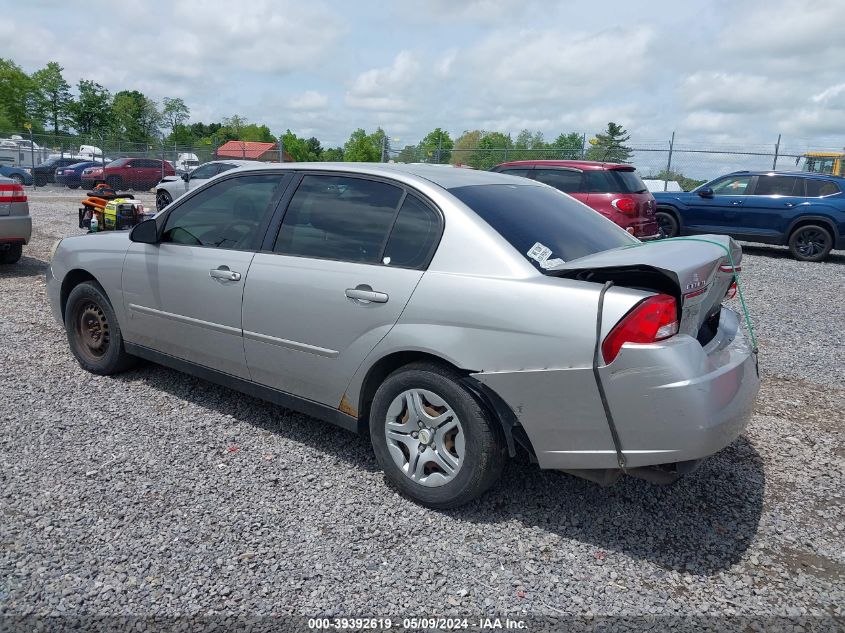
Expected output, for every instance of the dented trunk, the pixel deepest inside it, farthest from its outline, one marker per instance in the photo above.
(697, 271)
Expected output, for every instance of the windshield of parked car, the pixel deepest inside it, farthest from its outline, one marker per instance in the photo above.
(117, 163)
(546, 226)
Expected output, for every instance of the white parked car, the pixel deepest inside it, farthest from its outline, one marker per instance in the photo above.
(171, 187)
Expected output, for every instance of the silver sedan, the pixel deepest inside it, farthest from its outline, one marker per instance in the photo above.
(457, 316)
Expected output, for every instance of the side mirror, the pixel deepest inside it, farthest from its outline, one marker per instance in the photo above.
(186, 176)
(705, 192)
(145, 233)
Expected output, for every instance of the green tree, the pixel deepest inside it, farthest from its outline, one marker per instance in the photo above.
(301, 149)
(492, 149)
(687, 184)
(51, 96)
(528, 145)
(436, 147)
(567, 146)
(409, 154)
(364, 148)
(255, 132)
(333, 154)
(92, 109)
(15, 96)
(234, 124)
(174, 114)
(610, 146)
(135, 117)
(314, 149)
(462, 150)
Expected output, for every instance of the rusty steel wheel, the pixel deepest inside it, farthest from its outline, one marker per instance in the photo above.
(92, 330)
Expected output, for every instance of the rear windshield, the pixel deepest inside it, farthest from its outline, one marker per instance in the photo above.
(614, 181)
(542, 223)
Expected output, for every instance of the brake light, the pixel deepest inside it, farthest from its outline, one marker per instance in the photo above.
(653, 319)
(12, 193)
(727, 268)
(624, 205)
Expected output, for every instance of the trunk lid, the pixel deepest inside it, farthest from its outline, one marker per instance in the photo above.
(696, 271)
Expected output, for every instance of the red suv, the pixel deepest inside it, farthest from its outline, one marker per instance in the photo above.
(614, 190)
(128, 173)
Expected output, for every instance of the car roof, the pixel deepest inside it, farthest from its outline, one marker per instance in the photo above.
(777, 172)
(576, 164)
(444, 176)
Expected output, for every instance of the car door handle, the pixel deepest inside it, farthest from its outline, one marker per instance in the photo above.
(366, 293)
(224, 273)
(736, 203)
(789, 204)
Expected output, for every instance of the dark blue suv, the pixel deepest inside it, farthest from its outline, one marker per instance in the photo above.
(803, 211)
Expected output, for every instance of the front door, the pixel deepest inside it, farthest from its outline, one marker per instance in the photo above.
(183, 296)
(718, 213)
(349, 253)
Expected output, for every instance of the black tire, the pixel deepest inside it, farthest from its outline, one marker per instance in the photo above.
(93, 332)
(810, 243)
(18, 178)
(40, 180)
(484, 446)
(162, 199)
(12, 254)
(668, 223)
(73, 186)
(114, 182)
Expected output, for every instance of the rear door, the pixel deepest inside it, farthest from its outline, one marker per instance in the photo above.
(767, 211)
(348, 255)
(183, 295)
(719, 213)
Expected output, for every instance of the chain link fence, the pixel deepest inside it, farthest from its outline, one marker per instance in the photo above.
(673, 163)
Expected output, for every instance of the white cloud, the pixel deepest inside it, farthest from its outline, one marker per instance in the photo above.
(734, 92)
(387, 88)
(309, 100)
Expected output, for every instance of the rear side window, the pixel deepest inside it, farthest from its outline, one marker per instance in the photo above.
(561, 179)
(541, 223)
(614, 181)
(414, 236)
(818, 188)
(338, 217)
(779, 186)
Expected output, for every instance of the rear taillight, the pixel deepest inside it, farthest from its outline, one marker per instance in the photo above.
(624, 205)
(12, 193)
(727, 268)
(653, 319)
(731, 293)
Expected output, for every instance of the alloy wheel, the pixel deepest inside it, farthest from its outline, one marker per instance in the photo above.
(425, 437)
(811, 242)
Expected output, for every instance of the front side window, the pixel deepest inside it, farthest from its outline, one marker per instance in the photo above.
(204, 172)
(228, 214)
(779, 186)
(338, 217)
(561, 179)
(731, 186)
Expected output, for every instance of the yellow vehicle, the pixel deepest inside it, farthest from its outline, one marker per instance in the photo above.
(832, 163)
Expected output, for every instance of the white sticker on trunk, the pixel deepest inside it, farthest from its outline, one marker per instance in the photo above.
(539, 253)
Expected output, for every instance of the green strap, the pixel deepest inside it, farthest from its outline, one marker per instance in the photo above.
(735, 274)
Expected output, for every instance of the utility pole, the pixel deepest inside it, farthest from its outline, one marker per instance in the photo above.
(281, 149)
(28, 126)
(777, 151)
(669, 162)
(384, 148)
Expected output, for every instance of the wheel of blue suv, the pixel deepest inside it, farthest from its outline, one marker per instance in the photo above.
(436, 444)
(810, 243)
(667, 223)
(93, 332)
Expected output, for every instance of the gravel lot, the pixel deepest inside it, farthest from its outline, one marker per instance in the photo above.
(156, 493)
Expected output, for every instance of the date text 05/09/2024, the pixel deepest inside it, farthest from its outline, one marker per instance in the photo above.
(412, 624)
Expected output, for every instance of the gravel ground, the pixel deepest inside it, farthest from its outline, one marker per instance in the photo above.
(156, 493)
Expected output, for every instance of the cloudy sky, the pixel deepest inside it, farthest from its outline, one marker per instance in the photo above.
(722, 71)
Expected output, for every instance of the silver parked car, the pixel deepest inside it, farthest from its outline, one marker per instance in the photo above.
(171, 187)
(15, 221)
(454, 314)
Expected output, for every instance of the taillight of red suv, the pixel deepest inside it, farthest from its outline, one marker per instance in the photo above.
(628, 206)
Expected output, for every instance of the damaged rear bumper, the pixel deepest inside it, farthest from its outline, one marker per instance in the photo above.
(672, 402)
